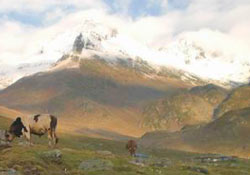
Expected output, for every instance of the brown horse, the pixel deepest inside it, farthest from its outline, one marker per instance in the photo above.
(131, 146)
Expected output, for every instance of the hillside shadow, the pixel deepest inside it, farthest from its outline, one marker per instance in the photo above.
(102, 133)
(72, 85)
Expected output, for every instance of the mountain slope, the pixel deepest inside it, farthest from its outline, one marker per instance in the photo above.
(9, 113)
(228, 135)
(92, 93)
(191, 107)
(239, 98)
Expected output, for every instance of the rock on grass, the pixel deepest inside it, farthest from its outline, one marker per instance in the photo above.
(198, 169)
(9, 172)
(96, 165)
(52, 156)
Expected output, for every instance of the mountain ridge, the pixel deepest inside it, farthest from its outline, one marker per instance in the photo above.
(185, 55)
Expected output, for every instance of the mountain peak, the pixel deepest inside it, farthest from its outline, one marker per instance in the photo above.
(187, 54)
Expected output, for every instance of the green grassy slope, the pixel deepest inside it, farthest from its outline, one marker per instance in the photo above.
(27, 160)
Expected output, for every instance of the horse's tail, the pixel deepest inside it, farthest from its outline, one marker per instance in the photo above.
(53, 125)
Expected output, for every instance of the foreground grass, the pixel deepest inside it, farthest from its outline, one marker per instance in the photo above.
(75, 149)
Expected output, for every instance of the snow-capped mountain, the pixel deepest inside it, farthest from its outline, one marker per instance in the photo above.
(187, 54)
(11, 73)
(215, 63)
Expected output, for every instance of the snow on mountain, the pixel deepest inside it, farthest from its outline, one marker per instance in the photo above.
(11, 73)
(202, 54)
(48, 51)
(190, 53)
(213, 61)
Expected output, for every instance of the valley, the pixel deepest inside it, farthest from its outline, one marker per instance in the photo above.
(187, 106)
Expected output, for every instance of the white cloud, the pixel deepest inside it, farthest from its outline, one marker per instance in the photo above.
(122, 6)
(44, 5)
(14, 37)
(162, 3)
(53, 16)
(226, 17)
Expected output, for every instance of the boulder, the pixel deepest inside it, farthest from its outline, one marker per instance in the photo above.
(150, 161)
(9, 172)
(96, 165)
(198, 170)
(139, 155)
(163, 162)
(138, 162)
(52, 156)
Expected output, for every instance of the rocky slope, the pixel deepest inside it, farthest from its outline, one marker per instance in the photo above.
(225, 133)
(191, 107)
(228, 135)
(239, 98)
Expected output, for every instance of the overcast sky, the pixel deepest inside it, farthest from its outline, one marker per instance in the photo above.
(153, 22)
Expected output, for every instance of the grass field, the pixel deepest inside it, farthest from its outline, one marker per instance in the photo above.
(23, 159)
